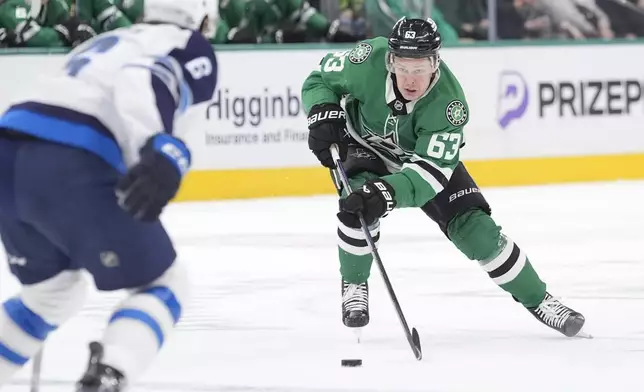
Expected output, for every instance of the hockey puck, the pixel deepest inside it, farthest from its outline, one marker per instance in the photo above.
(351, 362)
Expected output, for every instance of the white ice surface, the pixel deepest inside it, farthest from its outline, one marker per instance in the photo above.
(265, 314)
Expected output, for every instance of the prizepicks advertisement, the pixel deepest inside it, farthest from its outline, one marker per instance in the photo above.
(539, 101)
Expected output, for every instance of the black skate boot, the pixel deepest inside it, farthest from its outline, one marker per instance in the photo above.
(355, 304)
(100, 377)
(558, 316)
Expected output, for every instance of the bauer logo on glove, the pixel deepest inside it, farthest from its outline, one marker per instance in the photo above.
(329, 115)
(389, 200)
(328, 127)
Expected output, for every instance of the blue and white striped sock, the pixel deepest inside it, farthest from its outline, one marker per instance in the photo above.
(142, 322)
(22, 334)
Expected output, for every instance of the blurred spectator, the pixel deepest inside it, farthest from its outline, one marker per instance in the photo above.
(578, 19)
(383, 14)
(545, 19)
(284, 21)
(468, 17)
(537, 20)
(627, 18)
(106, 15)
(57, 23)
(511, 23)
(40, 23)
(352, 17)
(232, 23)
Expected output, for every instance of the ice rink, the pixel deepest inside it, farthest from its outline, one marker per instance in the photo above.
(265, 314)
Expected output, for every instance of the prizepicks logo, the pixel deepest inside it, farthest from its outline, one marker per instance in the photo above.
(513, 98)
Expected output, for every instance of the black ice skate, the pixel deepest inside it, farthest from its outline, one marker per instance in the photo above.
(558, 316)
(355, 304)
(100, 377)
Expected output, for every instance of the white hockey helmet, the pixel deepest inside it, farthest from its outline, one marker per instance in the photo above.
(189, 14)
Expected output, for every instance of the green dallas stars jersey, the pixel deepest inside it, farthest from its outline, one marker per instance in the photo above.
(107, 15)
(421, 148)
(268, 16)
(30, 30)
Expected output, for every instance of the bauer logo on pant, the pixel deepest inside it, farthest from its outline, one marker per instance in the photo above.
(463, 192)
(456, 113)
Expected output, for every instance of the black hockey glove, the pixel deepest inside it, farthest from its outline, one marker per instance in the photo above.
(150, 184)
(328, 126)
(7, 38)
(74, 32)
(373, 200)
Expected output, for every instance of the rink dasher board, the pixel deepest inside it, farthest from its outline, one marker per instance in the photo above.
(531, 121)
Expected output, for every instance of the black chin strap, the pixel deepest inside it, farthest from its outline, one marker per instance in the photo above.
(399, 105)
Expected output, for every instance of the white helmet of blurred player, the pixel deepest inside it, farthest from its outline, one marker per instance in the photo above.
(200, 15)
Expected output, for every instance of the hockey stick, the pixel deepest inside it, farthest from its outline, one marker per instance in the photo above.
(36, 366)
(412, 337)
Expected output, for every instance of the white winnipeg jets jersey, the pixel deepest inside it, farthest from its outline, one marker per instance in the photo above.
(115, 91)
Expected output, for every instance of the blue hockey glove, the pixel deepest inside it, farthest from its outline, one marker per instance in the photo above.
(150, 184)
(374, 199)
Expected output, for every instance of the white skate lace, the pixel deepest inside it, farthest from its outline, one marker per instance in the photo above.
(553, 312)
(355, 297)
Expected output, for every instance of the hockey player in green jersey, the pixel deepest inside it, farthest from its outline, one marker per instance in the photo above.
(107, 15)
(286, 21)
(40, 23)
(232, 25)
(274, 21)
(399, 136)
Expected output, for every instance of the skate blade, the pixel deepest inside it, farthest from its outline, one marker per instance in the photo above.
(583, 335)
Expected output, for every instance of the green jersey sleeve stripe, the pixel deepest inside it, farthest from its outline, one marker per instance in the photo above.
(437, 174)
(107, 13)
(431, 176)
(447, 172)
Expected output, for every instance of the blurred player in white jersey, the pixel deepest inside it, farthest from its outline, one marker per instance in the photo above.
(89, 157)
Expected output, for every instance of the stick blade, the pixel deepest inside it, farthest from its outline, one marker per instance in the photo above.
(415, 339)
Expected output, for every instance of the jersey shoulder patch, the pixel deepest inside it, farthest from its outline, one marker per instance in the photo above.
(360, 53)
(456, 113)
